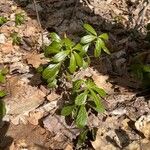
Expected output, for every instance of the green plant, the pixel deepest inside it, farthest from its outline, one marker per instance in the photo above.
(16, 40)
(3, 72)
(140, 69)
(67, 56)
(2, 20)
(19, 19)
(86, 95)
(97, 40)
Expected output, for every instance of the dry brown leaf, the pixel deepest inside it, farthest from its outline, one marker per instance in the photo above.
(35, 59)
(101, 81)
(6, 47)
(23, 98)
(143, 125)
(35, 116)
(53, 96)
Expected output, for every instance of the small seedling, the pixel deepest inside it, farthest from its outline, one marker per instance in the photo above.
(16, 40)
(2, 20)
(97, 40)
(141, 70)
(3, 72)
(65, 53)
(19, 19)
(86, 95)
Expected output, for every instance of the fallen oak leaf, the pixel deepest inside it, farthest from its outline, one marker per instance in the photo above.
(35, 59)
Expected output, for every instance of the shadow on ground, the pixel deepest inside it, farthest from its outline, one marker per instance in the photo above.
(69, 15)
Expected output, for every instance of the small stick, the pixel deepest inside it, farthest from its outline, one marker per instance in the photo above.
(38, 19)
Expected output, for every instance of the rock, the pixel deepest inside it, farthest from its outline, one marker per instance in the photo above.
(139, 145)
(19, 67)
(57, 125)
(2, 38)
(143, 125)
(119, 112)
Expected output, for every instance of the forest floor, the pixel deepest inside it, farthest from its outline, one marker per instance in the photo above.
(30, 121)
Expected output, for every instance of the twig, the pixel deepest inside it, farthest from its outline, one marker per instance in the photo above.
(38, 19)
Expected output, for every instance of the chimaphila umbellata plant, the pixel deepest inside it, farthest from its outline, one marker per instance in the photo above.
(69, 56)
(86, 95)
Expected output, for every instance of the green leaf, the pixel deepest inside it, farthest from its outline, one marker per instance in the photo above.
(79, 60)
(2, 94)
(53, 48)
(77, 84)
(87, 62)
(85, 48)
(90, 29)
(50, 71)
(68, 43)
(87, 39)
(81, 99)
(146, 68)
(82, 136)
(105, 49)
(61, 56)
(52, 84)
(2, 109)
(52, 78)
(2, 78)
(2, 20)
(104, 36)
(19, 19)
(67, 110)
(55, 37)
(82, 117)
(99, 107)
(100, 91)
(4, 71)
(72, 66)
(78, 47)
(98, 47)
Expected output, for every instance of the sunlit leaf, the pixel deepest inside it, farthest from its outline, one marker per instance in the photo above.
(81, 99)
(77, 84)
(87, 39)
(52, 84)
(79, 60)
(72, 65)
(105, 49)
(53, 48)
(100, 91)
(60, 56)
(2, 78)
(99, 106)
(55, 37)
(90, 29)
(97, 50)
(82, 117)
(104, 36)
(50, 71)
(68, 43)
(2, 94)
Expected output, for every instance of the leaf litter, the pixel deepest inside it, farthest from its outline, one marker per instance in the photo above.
(31, 105)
